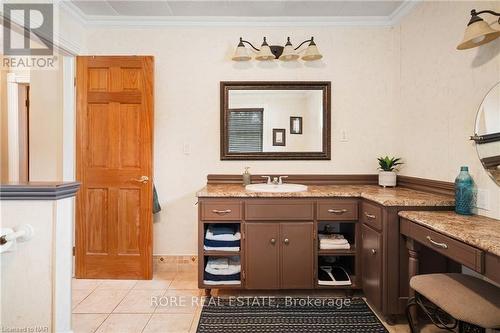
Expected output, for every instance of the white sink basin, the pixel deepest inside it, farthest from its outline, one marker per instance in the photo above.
(281, 188)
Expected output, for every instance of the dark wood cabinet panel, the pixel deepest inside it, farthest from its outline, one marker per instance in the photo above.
(371, 256)
(297, 250)
(279, 210)
(337, 210)
(371, 214)
(262, 245)
(221, 210)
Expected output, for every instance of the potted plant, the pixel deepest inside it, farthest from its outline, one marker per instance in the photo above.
(388, 168)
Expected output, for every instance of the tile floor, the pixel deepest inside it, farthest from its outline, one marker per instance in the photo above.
(123, 306)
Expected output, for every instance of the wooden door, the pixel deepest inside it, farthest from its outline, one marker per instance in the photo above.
(371, 257)
(262, 255)
(114, 165)
(297, 255)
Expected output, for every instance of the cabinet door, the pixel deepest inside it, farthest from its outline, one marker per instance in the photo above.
(262, 255)
(372, 265)
(297, 251)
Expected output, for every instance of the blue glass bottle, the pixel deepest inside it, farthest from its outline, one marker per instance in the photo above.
(464, 192)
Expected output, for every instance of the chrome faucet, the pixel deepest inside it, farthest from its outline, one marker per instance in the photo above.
(275, 181)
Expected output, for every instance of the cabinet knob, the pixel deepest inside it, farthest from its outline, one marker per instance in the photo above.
(374, 251)
(286, 241)
(273, 241)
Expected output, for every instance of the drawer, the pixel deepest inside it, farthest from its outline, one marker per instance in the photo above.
(460, 252)
(221, 210)
(337, 209)
(279, 209)
(371, 215)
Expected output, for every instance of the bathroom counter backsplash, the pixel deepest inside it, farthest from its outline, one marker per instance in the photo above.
(385, 196)
(479, 231)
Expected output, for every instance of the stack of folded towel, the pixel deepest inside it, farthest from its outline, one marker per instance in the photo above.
(222, 271)
(333, 242)
(222, 237)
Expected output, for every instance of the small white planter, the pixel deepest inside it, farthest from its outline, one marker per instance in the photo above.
(387, 178)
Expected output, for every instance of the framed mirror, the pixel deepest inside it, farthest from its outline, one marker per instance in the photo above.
(487, 133)
(275, 120)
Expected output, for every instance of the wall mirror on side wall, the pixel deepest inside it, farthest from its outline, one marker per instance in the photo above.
(275, 120)
(487, 133)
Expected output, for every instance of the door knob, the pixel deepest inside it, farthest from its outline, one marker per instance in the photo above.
(374, 251)
(273, 241)
(142, 180)
(286, 241)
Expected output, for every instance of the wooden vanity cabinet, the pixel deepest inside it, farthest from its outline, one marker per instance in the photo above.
(371, 258)
(279, 255)
(385, 257)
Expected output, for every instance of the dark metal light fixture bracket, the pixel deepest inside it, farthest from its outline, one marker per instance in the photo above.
(277, 50)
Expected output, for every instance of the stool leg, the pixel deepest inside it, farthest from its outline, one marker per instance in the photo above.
(413, 263)
(411, 303)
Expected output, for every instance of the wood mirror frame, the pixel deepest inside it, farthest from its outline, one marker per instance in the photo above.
(226, 86)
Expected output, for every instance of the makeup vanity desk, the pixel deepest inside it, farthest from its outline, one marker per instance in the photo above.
(473, 241)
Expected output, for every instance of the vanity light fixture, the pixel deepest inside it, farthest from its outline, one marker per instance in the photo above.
(478, 32)
(271, 52)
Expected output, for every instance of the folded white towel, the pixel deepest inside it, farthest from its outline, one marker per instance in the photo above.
(226, 249)
(330, 236)
(223, 237)
(218, 263)
(335, 246)
(234, 267)
(215, 283)
(334, 241)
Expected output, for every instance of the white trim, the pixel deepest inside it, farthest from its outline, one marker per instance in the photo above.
(404, 9)
(13, 81)
(165, 21)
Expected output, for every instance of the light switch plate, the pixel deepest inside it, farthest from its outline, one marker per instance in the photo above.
(343, 136)
(483, 199)
(186, 148)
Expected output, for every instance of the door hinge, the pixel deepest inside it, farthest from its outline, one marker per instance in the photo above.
(243, 275)
(74, 81)
(27, 103)
(74, 251)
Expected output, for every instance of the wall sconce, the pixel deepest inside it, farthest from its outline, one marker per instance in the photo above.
(478, 32)
(284, 53)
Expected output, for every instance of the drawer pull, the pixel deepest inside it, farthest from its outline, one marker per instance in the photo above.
(370, 216)
(221, 212)
(374, 252)
(273, 241)
(286, 241)
(337, 211)
(433, 242)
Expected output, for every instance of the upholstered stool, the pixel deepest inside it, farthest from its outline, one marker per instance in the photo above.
(470, 301)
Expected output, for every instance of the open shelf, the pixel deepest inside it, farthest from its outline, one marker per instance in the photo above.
(350, 252)
(221, 253)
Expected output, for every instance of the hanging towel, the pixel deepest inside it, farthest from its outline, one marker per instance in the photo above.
(156, 203)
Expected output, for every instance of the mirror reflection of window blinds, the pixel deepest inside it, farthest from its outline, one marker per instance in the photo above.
(245, 130)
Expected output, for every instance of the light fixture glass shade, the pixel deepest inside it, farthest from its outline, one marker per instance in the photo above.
(312, 53)
(241, 54)
(477, 33)
(289, 53)
(265, 53)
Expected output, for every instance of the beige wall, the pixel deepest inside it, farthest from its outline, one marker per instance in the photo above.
(4, 162)
(46, 117)
(190, 63)
(440, 90)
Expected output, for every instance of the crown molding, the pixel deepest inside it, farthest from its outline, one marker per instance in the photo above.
(175, 21)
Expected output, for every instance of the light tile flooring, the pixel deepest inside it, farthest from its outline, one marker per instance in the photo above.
(123, 306)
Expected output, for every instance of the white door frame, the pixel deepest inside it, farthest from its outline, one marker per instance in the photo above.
(13, 82)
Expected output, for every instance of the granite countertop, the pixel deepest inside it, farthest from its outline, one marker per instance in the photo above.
(479, 231)
(385, 196)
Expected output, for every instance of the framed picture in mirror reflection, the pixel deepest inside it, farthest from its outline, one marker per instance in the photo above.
(279, 137)
(295, 125)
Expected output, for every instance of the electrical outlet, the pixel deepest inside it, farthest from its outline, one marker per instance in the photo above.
(483, 199)
(186, 148)
(343, 136)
